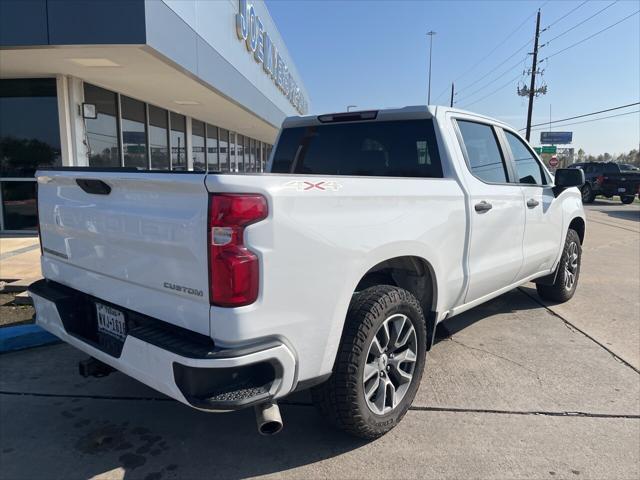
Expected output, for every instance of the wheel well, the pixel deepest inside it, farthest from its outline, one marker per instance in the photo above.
(413, 274)
(577, 224)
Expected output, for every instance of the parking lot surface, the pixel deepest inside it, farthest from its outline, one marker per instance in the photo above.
(515, 388)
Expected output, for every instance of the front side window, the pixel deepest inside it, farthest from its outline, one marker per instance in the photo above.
(102, 132)
(528, 170)
(134, 132)
(404, 148)
(483, 153)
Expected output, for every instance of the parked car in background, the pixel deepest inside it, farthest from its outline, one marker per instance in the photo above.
(225, 291)
(627, 167)
(608, 179)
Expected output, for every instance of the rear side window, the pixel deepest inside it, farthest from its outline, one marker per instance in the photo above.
(483, 153)
(391, 149)
(528, 169)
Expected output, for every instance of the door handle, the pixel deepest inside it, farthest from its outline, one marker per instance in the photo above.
(483, 206)
(532, 203)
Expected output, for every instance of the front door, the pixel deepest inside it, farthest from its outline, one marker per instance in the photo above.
(497, 212)
(543, 226)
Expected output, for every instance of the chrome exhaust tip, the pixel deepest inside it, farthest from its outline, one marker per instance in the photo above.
(268, 418)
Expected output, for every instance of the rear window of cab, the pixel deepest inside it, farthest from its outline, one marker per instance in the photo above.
(404, 148)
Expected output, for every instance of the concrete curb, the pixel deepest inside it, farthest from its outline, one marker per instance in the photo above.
(21, 337)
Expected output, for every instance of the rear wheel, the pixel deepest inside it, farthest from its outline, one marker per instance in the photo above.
(379, 364)
(627, 199)
(568, 272)
(588, 196)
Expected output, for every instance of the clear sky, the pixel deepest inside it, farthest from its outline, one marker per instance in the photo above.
(374, 54)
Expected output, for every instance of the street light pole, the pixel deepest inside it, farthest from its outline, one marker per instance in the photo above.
(430, 34)
(349, 107)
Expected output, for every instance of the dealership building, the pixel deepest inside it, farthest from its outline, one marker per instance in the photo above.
(149, 84)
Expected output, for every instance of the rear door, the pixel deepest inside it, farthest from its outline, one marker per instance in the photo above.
(496, 209)
(543, 219)
(134, 239)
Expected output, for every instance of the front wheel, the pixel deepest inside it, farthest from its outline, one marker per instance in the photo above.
(627, 199)
(568, 272)
(379, 364)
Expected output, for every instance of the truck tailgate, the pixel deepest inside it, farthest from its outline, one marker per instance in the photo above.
(136, 239)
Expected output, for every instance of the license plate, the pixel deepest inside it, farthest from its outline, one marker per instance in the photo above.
(622, 190)
(111, 321)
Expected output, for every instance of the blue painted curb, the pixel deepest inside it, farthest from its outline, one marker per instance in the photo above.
(24, 336)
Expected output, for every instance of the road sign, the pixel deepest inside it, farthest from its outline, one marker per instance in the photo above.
(546, 149)
(553, 162)
(556, 138)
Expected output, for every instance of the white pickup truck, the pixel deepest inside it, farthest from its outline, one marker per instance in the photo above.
(330, 272)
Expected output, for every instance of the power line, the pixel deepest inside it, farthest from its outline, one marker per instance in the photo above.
(490, 53)
(564, 16)
(499, 77)
(497, 66)
(592, 35)
(495, 48)
(494, 91)
(586, 114)
(592, 120)
(580, 23)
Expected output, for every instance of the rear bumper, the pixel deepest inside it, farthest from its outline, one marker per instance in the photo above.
(171, 361)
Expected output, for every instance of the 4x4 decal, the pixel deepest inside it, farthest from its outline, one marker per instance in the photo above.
(304, 185)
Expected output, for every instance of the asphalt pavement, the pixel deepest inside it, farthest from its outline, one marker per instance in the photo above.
(515, 388)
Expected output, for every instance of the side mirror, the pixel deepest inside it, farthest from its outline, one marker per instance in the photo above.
(569, 177)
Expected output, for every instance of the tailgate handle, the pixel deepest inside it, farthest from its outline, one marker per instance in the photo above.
(90, 185)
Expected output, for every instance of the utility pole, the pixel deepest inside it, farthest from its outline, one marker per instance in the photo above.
(532, 88)
(430, 34)
(452, 90)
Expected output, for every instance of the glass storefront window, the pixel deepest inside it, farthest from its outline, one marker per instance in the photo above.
(232, 151)
(240, 150)
(254, 164)
(102, 132)
(158, 139)
(197, 145)
(224, 150)
(19, 205)
(212, 148)
(29, 131)
(178, 142)
(134, 132)
(247, 155)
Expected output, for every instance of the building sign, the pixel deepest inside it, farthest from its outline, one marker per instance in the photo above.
(258, 42)
(556, 138)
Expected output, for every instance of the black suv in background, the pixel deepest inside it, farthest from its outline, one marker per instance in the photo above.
(608, 179)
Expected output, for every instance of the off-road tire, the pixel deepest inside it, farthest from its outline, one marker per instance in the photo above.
(588, 195)
(627, 199)
(558, 292)
(341, 399)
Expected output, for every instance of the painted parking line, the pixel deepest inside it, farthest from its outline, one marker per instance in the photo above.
(20, 337)
(19, 251)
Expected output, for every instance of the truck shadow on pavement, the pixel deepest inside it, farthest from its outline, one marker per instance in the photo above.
(156, 438)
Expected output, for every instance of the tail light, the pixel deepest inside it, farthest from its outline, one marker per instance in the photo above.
(233, 268)
(600, 179)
